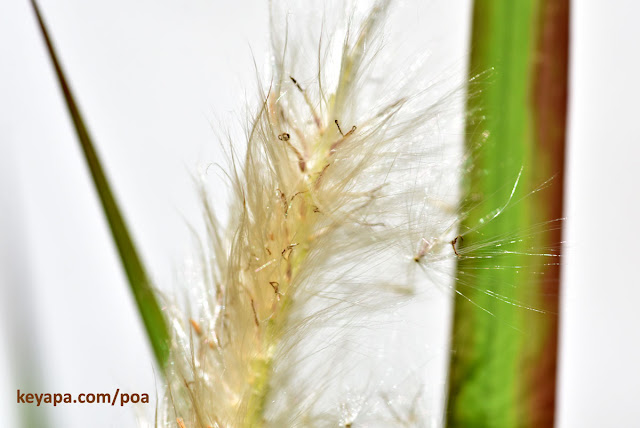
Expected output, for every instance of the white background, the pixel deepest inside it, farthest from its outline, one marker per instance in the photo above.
(156, 80)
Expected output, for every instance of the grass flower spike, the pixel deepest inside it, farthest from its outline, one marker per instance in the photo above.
(343, 212)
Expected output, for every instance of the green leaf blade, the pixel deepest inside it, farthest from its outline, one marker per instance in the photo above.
(141, 287)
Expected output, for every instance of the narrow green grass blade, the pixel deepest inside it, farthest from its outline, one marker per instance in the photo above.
(148, 306)
(503, 364)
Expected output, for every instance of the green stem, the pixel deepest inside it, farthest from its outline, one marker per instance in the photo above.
(503, 366)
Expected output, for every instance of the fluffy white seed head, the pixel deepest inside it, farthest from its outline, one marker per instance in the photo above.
(344, 212)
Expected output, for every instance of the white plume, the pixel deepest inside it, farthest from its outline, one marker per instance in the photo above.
(314, 298)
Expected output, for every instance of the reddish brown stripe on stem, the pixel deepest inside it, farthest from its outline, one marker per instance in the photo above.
(550, 95)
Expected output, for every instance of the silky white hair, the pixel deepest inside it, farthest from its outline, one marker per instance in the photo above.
(312, 300)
